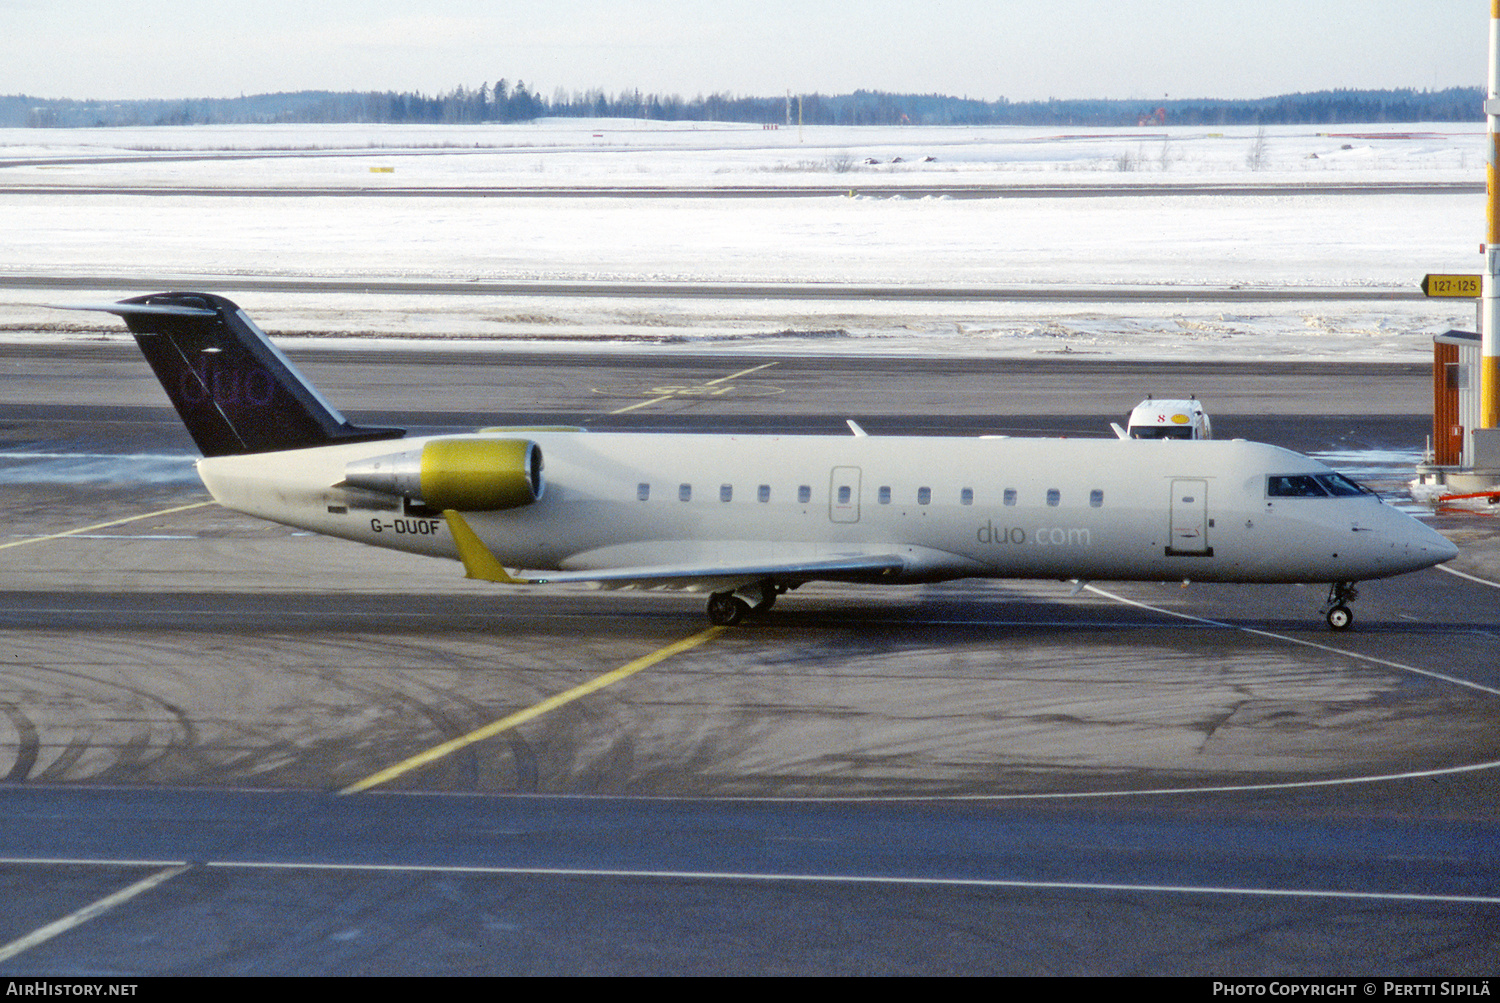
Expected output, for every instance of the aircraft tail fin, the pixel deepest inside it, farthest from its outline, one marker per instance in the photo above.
(235, 391)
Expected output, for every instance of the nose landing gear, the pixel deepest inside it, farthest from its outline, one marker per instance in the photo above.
(1335, 607)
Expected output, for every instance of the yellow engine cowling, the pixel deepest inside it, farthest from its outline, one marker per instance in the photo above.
(480, 475)
(470, 475)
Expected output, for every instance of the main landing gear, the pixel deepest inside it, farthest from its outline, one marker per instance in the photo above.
(1336, 608)
(725, 609)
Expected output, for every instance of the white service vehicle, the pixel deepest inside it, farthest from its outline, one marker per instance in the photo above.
(1167, 419)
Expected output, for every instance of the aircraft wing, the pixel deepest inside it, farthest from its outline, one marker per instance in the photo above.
(480, 563)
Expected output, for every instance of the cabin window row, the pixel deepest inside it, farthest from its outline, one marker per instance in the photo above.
(882, 495)
(726, 492)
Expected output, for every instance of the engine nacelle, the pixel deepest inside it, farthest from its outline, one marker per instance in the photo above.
(471, 475)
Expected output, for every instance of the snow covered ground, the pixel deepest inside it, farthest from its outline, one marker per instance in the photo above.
(1154, 240)
(613, 151)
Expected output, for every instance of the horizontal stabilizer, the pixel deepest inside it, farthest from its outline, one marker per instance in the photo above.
(153, 309)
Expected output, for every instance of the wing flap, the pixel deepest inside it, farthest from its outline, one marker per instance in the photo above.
(480, 563)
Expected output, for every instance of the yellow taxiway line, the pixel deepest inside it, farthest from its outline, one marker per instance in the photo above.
(536, 710)
(709, 383)
(104, 525)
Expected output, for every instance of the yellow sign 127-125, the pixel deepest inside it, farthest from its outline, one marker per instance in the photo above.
(1451, 285)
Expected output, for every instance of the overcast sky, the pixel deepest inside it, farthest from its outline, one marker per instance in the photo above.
(1138, 49)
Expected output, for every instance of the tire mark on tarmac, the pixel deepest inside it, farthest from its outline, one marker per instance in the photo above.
(28, 744)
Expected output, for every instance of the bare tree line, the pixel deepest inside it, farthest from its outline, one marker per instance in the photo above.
(504, 101)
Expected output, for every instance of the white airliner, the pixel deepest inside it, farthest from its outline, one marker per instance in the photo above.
(748, 517)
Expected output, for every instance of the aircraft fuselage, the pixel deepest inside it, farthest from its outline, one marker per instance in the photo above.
(747, 517)
(949, 507)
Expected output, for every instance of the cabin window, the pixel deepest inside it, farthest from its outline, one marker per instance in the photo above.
(804, 494)
(884, 496)
(844, 494)
(1054, 497)
(924, 496)
(1096, 498)
(1010, 496)
(643, 492)
(763, 493)
(726, 492)
(966, 496)
(684, 492)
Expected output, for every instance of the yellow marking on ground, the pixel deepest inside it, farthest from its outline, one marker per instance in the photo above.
(688, 390)
(104, 525)
(536, 710)
(644, 403)
(88, 912)
(742, 372)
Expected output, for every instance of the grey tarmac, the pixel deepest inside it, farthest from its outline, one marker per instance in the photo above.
(966, 778)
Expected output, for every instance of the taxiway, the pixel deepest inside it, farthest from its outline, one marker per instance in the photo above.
(972, 777)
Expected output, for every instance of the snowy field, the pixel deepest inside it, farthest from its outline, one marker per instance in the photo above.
(59, 217)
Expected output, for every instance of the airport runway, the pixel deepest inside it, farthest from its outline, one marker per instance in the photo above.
(970, 778)
(827, 292)
(848, 187)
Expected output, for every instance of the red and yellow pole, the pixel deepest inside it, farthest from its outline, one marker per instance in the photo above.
(1489, 346)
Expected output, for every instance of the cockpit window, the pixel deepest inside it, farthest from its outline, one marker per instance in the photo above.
(1340, 486)
(1328, 485)
(1294, 486)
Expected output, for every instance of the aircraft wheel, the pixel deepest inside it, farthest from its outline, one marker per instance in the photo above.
(725, 609)
(1340, 617)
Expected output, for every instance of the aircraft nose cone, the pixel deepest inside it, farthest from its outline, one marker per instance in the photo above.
(1428, 544)
(1444, 548)
(1402, 543)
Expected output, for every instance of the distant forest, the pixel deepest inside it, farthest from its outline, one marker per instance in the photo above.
(505, 102)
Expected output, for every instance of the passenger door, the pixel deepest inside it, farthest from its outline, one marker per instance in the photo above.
(1189, 519)
(843, 495)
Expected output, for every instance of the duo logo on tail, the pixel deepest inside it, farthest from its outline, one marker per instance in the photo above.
(235, 391)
